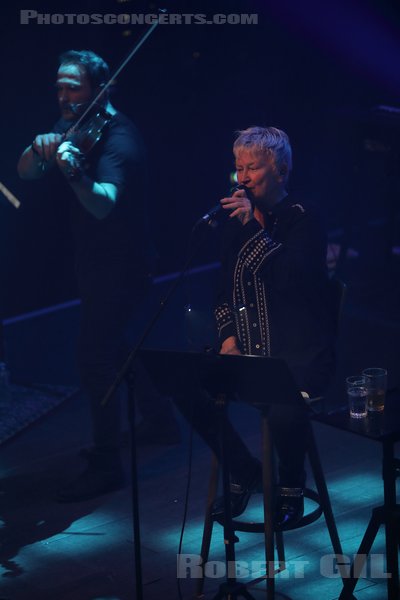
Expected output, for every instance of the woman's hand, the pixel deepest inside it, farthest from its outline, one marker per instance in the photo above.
(230, 346)
(240, 206)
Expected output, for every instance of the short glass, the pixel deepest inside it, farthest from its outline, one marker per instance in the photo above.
(377, 386)
(357, 394)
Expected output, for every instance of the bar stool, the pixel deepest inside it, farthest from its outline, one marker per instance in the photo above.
(320, 497)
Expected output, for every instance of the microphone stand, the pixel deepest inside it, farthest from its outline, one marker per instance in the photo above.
(127, 373)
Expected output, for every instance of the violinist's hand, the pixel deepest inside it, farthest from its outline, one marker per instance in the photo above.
(239, 205)
(69, 159)
(46, 145)
(229, 346)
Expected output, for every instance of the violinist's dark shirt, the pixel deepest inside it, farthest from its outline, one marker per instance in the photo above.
(119, 158)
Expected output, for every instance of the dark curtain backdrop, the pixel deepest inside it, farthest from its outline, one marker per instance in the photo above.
(314, 69)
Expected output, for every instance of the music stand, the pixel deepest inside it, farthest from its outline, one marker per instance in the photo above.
(258, 380)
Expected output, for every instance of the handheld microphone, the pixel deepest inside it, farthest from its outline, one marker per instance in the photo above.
(209, 217)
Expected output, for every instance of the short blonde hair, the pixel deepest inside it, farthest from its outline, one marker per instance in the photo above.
(265, 140)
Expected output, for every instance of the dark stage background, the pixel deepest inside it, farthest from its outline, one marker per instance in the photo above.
(314, 69)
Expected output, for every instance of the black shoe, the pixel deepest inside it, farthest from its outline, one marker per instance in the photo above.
(104, 474)
(148, 433)
(240, 494)
(289, 508)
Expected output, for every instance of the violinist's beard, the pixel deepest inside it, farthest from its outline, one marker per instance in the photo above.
(67, 113)
(78, 109)
(72, 112)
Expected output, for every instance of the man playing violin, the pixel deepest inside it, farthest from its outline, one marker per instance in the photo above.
(113, 255)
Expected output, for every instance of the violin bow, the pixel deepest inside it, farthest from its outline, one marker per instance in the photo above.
(138, 45)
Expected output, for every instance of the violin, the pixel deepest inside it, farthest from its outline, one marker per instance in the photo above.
(89, 132)
(84, 135)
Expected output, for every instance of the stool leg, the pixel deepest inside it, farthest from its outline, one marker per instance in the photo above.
(267, 466)
(320, 483)
(280, 549)
(208, 522)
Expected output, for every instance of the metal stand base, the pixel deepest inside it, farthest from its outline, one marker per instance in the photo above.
(387, 515)
(391, 520)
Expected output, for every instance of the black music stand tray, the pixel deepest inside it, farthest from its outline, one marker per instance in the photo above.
(258, 380)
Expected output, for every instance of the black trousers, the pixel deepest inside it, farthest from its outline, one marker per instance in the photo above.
(289, 431)
(113, 297)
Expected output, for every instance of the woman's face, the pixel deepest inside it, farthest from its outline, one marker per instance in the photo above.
(259, 173)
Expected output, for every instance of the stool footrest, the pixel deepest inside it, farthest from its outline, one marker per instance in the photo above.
(258, 526)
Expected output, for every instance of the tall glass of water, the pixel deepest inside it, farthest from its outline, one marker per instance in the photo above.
(357, 394)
